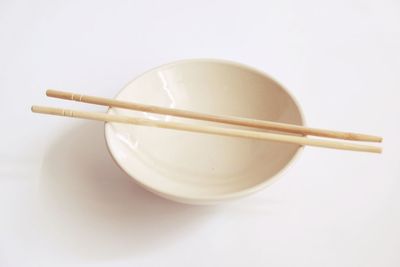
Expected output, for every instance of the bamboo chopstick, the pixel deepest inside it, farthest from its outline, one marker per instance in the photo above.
(206, 129)
(283, 127)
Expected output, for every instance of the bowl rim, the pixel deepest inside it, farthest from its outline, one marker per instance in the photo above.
(185, 198)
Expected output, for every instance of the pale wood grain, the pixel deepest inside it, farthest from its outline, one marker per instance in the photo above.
(206, 129)
(261, 124)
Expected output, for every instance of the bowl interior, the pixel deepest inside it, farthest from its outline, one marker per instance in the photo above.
(192, 167)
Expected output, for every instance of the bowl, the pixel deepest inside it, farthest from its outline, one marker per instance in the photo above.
(198, 168)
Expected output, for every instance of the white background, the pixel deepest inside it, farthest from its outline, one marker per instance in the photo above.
(63, 202)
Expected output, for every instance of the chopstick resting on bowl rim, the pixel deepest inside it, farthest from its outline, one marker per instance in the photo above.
(206, 129)
(261, 124)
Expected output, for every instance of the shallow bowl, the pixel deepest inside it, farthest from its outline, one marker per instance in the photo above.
(199, 168)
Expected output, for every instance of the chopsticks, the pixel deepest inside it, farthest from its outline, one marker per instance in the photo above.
(198, 128)
(204, 129)
(261, 124)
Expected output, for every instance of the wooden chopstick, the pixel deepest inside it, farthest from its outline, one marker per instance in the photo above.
(276, 126)
(206, 129)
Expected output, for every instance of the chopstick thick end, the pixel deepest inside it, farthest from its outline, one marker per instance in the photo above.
(34, 109)
(59, 94)
(50, 111)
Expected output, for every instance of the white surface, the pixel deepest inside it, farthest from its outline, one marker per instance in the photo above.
(63, 202)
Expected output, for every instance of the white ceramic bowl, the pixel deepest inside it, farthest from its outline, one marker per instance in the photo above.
(200, 168)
